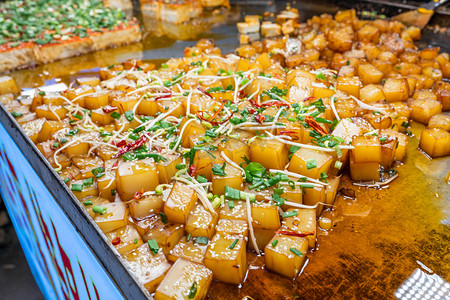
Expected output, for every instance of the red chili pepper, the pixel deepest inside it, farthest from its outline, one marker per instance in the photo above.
(309, 98)
(116, 241)
(109, 108)
(192, 170)
(204, 92)
(260, 119)
(157, 148)
(164, 96)
(292, 233)
(274, 103)
(251, 111)
(253, 102)
(132, 146)
(138, 195)
(241, 94)
(313, 123)
(115, 165)
(288, 132)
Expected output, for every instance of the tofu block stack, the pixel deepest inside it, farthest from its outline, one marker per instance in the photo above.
(39, 32)
(191, 166)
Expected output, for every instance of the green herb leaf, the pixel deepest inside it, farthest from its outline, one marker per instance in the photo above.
(129, 115)
(219, 170)
(311, 164)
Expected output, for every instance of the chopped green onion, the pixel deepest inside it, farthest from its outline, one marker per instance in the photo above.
(99, 209)
(180, 166)
(129, 115)
(153, 244)
(87, 203)
(88, 182)
(77, 187)
(193, 291)
(230, 204)
(201, 240)
(115, 115)
(311, 164)
(233, 244)
(164, 218)
(135, 240)
(288, 214)
(201, 179)
(274, 243)
(296, 252)
(16, 114)
(188, 238)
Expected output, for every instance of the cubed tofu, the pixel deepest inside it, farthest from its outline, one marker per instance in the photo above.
(8, 85)
(233, 179)
(235, 150)
(86, 190)
(92, 201)
(204, 160)
(396, 89)
(310, 163)
(424, 109)
(107, 185)
(145, 206)
(229, 226)
(265, 216)
(115, 216)
(125, 239)
(167, 235)
(234, 210)
(314, 196)
(269, 29)
(365, 171)
(388, 152)
(331, 189)
(149, 268)
(133, 176)
(189, 250)
(369, 74)
(435, 142)
(96, 100)
(226, 256)
(272, 154)
(168, 168)
(440, 121)
(400, 147)
(248, 27)
(304, 222)
(51, 112)
(285, 255)
(178, 282)
(350, 85)
(180, 202)
(367, 149)
(201, 222)
(371, 93)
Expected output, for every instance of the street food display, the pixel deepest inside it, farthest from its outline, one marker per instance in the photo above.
(39, 32)
(189, 167)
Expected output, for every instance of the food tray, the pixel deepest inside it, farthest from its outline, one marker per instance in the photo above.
(368, 254)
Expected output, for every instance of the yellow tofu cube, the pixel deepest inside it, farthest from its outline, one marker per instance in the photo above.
(272, 154)
(371, 93)
(8, 85)
(201, 222)
(229, 226)
(189, 250)
(167, 169)
(369, 74)
(314, 195)
(166, 235)
(233, 179)
(92, 201)
(396, 89)
(235, 149)
(149, 268)
(440, 121)
(107, 185)
(96, 100)
(81, 190)
(265, 216)
(285, 255)
(310, 163)
(180, 202)
(304, 222)
(350, 85)
(424, 109)
(367, 149)
(114, 216)
(435, 142)
(234, 210)
(51, 112)
(180, 280)
(365, 171)
(226, 256)
(133, 176)
(204, 160)
(145, 206)
(125, 239)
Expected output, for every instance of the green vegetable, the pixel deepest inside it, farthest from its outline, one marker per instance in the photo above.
(233, 244)
(311, 164)
(164, 218)
(193, 291)
(129, 115)
(274, 243)
(296, 252)
(201, 240)
(76, 187)
(288, 214)
(153, 244)
(99, 209)
(219, 170)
